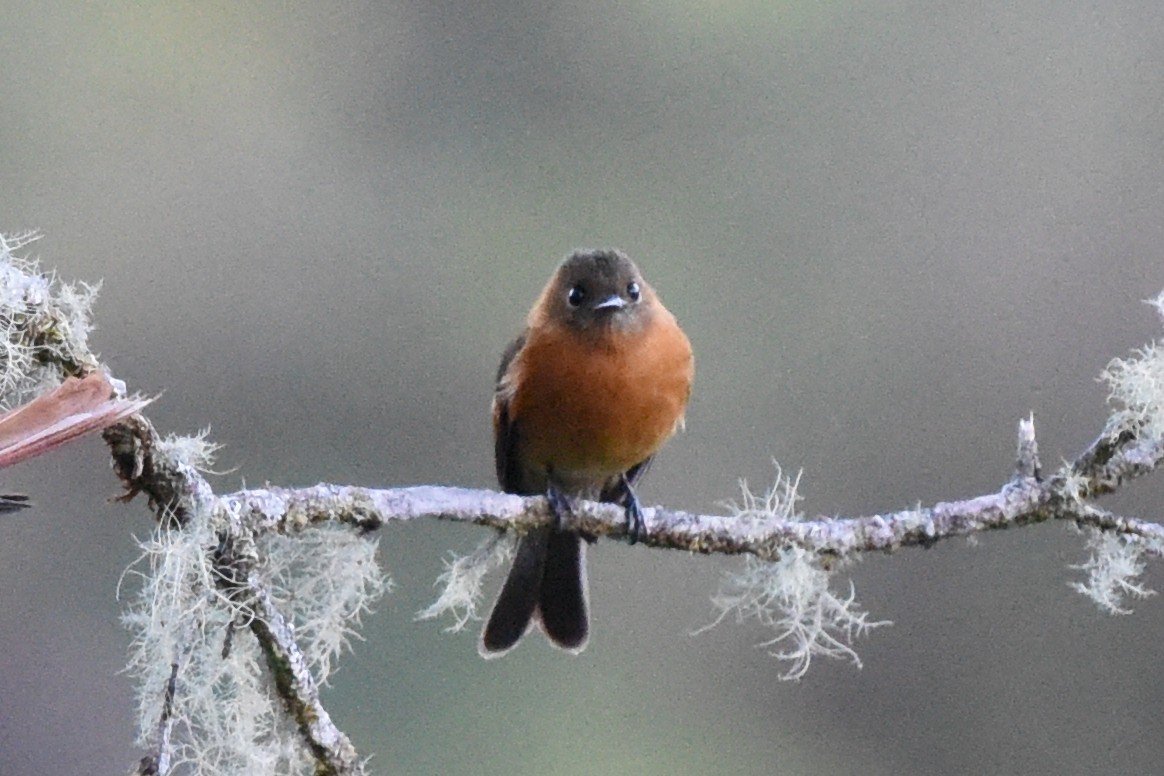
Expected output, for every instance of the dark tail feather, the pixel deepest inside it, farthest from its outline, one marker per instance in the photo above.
(563, 601)
(13, 502)
(519, 596)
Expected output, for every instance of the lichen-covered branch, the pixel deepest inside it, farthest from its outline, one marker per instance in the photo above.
(1020, 501)
(784, 585)
(212, 573)
(209, 702)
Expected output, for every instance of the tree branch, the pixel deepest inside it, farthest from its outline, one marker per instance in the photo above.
(1025, 499)
(177, 491)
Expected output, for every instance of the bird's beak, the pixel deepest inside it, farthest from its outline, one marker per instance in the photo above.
(612, 302)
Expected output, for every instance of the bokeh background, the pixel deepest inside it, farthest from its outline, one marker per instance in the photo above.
(891, 230)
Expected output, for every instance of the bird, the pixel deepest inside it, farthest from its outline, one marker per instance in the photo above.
(584, 398)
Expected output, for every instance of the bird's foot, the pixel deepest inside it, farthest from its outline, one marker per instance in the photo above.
(636, 527)
(560, 506)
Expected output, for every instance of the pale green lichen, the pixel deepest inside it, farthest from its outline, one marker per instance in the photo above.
(194, 450)
(224, 717)
(1076, 485)
(776, 503)
(44, 324)
(791, 597)
(1113, 571)
(1136, 389)
(323, 579)
(461, 581)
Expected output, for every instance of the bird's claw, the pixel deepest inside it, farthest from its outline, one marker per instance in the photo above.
(559, 505)
(636, 527)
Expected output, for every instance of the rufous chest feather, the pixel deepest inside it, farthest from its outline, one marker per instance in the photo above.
(596, 406)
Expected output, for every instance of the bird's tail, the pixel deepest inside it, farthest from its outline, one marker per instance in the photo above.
(548, 583)
(562, 604)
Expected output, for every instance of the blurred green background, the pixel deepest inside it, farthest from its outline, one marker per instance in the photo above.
(890, 229)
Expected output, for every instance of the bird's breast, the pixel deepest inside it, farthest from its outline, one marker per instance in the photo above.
(589, 408)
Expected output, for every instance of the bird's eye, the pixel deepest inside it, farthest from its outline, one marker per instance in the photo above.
(576, 295)
(632, 290)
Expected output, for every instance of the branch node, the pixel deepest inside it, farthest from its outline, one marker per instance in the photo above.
(1027, 465)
